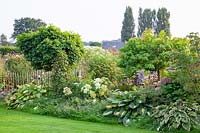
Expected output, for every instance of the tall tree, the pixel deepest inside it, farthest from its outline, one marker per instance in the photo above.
(146, 20)
(162, 21)
(128, 27)
(3, 40)
(24, 25)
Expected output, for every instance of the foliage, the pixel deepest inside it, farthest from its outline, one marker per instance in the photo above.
(23, 94)
(157, 21)
(173, 91)
(98, 63)
(178, 115)
(43, 47)
(60, 70)
(9, 50)
(127, 106)
(128, 27)
(97, 89)
(71, 108)
(151, 52)
(98, 44)
(162, 21)
(3, 40)
(25, 25)
(146, 20)
(188, 65)
(17, 64)
(2, 86)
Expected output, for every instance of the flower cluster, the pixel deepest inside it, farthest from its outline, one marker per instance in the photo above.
(67, 91)
(97, 89)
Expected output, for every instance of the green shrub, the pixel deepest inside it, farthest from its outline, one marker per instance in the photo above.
(43, 47)
(178, 115)
(98, 63)
(127, 106)
(73, 108)
(23, 94)
(9, 50)
(173, 91)
(17, 64)
(187, 62)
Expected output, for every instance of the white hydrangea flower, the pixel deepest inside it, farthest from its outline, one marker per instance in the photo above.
(67, 91)
(85, 89)
(97, 80)
(97, 85)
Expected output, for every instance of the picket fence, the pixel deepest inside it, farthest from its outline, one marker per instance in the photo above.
(12, 79)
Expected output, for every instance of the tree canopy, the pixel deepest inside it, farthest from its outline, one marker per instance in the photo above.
(3, 40)
(98, 44)
(162, 21)
(24, 25)
(151, 52)
(155, 20)
(43, 47)
(128, 26)
(146, 20)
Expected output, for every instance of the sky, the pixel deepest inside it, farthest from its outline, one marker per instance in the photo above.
(97, 20)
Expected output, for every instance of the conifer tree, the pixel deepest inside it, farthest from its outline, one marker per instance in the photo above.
(128, 27)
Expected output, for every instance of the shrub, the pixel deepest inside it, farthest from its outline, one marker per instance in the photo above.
(178, 115)
(73, 108)
(173, 91)
(188, 65)
(99, 63)
(9, 50)
(17, 64)
(23, 94)
(43, 47)
(127, 106)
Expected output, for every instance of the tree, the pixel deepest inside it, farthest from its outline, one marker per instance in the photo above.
(128, 26)
(98, 44)
(146, 20)
(3, 40)
(51, 49)
(162, 21)
(151, 52)
(42, 47)
(24, 25)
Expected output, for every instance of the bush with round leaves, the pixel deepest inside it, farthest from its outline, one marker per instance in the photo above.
(42, 47)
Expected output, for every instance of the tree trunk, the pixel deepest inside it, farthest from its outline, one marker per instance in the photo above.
(158, 72)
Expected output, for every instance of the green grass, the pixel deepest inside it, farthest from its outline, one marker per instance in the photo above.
(12, 121)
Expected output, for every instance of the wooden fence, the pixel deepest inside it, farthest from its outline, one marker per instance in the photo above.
(12, 79)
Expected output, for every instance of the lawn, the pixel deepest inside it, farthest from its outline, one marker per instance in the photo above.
(12, 121)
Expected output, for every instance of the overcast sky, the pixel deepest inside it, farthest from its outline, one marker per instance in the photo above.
(97, 20)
